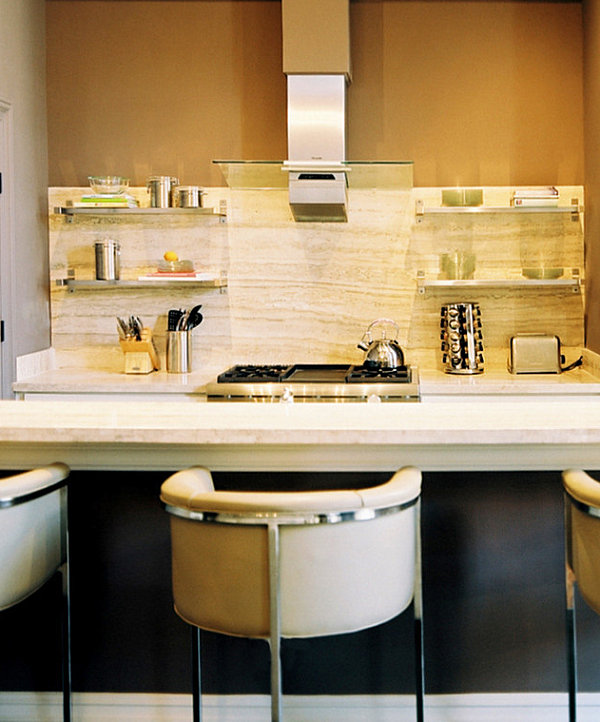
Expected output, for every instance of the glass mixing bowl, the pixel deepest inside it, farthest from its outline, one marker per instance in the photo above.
(108, 184)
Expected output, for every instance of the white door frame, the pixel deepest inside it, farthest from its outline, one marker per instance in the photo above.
(7, 248)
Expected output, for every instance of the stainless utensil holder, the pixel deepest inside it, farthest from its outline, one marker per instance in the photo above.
(462, 344)
(108, 260)
(179, 352)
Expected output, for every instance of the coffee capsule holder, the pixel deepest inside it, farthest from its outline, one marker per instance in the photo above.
(141, 356)
(462, 345)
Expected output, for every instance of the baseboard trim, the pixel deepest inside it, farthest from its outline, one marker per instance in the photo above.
(106, 707)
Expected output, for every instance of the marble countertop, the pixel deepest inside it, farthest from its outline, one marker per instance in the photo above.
(432, 383)
(500, 381)
(169, 435)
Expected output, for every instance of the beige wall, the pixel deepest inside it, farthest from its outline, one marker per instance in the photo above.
(142, 88)
(483, 93)
(592, 171)
(24, 296)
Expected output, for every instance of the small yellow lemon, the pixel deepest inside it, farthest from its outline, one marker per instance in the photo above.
(171, 256)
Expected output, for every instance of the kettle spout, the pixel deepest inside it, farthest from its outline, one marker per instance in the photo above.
(365, 342)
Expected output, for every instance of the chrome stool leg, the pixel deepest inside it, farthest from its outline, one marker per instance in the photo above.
(572, 663)
(66, 607)
(275, 622)
(196, 679)
(570, 620)
(66, 642)
(418, 612)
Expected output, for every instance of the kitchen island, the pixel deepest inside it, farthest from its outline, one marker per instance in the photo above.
(443, 436)
(492, 535)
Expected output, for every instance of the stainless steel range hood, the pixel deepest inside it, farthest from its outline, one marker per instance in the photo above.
(316, 61)
(317, 147)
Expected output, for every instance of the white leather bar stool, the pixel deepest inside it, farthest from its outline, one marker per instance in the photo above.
(294, 564)
(34, 546)
(582, 560)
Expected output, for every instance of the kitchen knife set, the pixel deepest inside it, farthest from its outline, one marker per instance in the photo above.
(137, 343)
(130, 329)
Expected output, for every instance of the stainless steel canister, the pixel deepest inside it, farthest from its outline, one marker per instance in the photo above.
(462, 344)
(108, 260)
(179, 352)
(161, 188)
(188, 197)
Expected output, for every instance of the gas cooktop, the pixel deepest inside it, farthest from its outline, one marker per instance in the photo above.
(315, 382)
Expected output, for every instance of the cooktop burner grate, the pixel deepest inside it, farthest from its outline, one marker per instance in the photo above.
(250, 373)
(314, 373)
(361, 374)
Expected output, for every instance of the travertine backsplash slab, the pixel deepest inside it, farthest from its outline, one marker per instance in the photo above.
(304, 291)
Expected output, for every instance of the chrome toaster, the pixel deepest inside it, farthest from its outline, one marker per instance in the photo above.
(534, 353)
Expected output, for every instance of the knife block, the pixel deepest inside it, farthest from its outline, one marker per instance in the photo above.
(140, 356)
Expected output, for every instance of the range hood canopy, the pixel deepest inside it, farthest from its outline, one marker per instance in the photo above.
(360, 174)
(316, 60)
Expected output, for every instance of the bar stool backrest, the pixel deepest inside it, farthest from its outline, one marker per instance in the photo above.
(31, 538)
(346, 558)
(583, 538)
(34, 546)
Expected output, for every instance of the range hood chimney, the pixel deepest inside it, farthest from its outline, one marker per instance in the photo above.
(316, 61)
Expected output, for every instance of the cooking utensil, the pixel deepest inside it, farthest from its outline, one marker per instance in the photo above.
(174, 315)
(124, 327)
(135, 325)
(194, 318)
(384, 352)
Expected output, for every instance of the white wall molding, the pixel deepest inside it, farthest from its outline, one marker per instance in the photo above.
(92, 707)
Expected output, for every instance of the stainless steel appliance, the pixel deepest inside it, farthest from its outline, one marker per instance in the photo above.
(315, 382)
(108, 260)
(383, 352)
(462, 344)
(535, 353)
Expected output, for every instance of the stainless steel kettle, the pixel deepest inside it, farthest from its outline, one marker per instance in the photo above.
(383, 352)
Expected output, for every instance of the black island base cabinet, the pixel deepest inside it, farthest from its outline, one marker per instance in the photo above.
(492, 584)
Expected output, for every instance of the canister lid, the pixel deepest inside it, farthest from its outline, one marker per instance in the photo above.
(163, 179)
(108, 243)
(189, 189)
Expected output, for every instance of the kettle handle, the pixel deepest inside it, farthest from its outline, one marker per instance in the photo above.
(365, 341)
(384, 322)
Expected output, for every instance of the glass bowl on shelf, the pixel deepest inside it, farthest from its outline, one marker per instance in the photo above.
(108, 184)
(175, 266)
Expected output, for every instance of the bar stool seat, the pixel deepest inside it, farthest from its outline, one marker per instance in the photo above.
(34, 546)
(294, 564)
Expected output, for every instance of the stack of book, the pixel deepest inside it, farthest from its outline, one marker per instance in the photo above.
(178, 276)
(539, 196)
(106, 200)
